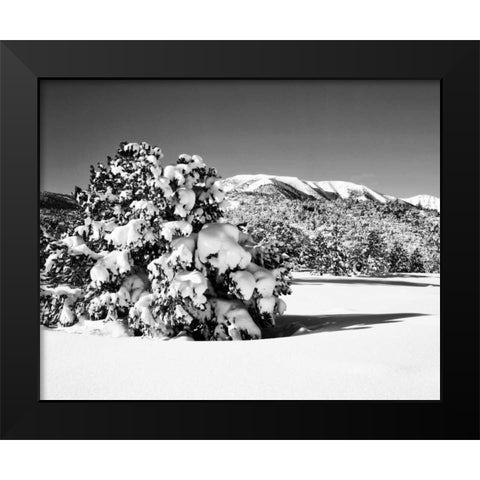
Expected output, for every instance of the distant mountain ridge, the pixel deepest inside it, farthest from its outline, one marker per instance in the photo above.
(59, 201)
(293, 187)
(427, 202)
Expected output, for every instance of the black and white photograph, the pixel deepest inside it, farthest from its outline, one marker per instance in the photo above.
(239, 239)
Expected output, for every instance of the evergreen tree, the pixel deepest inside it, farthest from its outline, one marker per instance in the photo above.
(416, 262)
(335, 260)
(398, 259)
(151, 251)
(321, 261)
(376, 254)
(358, 256)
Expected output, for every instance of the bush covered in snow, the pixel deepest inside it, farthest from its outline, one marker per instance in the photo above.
(154, 250)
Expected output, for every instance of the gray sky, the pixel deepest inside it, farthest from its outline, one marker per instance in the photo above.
(383, 134)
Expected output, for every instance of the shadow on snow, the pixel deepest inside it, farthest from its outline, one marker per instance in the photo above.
(290, 325)
(361, 281)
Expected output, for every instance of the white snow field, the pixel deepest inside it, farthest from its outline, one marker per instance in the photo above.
(341, 338)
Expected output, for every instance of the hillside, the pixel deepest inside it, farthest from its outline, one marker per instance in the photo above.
(341, 237)
(57, 201)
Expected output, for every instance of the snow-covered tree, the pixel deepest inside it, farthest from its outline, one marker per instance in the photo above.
(398, 259)
(376, 261)
(321, 261)
(416, 262)
(153, 251)
(334, 255)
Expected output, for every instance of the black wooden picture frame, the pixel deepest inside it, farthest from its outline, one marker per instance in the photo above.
(455, 415)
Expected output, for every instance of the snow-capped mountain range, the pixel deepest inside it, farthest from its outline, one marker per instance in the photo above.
(294, 187)
(428, 202)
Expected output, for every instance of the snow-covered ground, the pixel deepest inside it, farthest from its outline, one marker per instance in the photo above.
(341, 338)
